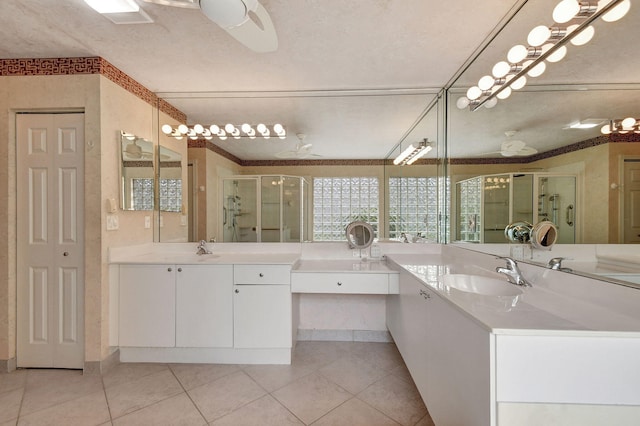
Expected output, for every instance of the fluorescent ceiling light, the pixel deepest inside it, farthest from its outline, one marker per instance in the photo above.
(113, 6)
(589, 123)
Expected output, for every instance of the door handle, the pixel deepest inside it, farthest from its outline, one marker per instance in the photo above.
(66, 253)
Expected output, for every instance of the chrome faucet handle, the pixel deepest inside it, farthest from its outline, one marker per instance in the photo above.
(555, 263)
(202, 248)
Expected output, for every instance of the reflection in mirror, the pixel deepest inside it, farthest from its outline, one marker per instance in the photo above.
(170, 181)
(552, 126)
(136, 173)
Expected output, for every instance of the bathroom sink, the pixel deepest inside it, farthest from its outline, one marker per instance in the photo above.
(480, 285)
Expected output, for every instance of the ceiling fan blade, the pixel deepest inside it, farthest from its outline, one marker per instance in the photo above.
(512, 146)
(257, 32)
(287, 154)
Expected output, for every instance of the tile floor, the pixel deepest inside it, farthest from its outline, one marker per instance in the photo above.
(328, 383)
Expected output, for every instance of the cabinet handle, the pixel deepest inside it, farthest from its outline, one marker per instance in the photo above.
(169, 269)
(179, 269)
(237, 291)
(339, 283)
(261, 275)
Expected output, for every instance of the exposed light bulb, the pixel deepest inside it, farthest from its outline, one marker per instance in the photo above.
(617, 12)
(565, 11)
(474, 93)
(198, 128)
(462, 102)
(167, 129)
(246, 128)
(558, 55)
(278, 128)
(504, 94)
(491, 103)
(519, 83)
(500, 69)
(183, 129)
(584, 36)
(517, 53)
(538, 70)
(262, 128)
(229, 128)
(539, 35)
(628, 123)
(486, 82)
(215, 129)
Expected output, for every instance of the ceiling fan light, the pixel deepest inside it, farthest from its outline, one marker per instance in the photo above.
(565, 11)
(226, 13)
(583, 37)
(618, 12)
(167, 129)
(538, 35)
(486, 83)
(517, 54)
(558, 55)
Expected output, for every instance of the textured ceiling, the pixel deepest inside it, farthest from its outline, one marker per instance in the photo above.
(352, 75)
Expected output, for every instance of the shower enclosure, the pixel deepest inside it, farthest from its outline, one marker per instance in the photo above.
(265, 208)
(487, 204)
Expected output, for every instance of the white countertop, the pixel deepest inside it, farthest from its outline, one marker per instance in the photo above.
(538, 310)
(224, 258)
(342, 265)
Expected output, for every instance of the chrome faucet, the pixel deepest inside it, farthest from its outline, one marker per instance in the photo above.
(202, 248)
(512, 272)
(556, 264)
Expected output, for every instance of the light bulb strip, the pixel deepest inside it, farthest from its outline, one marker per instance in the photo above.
(412, 153)
(586, 21)
(223, 132)
(616, 126)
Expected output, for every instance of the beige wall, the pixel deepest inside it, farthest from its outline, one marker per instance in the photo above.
(108, 109)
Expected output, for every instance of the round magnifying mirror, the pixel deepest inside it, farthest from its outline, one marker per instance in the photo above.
(544, 235)
(359, 235)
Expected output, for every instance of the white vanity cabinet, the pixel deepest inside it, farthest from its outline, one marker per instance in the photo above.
(176, 306)
(262, 306)
(447, 353)
(204, 306)
(147, 306)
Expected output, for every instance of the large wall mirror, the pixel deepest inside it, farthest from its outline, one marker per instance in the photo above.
(137, 173)
(540, 154)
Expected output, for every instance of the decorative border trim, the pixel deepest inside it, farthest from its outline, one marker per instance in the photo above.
(87, 65)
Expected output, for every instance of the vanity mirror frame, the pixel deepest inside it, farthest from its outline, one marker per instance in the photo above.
(360, 235)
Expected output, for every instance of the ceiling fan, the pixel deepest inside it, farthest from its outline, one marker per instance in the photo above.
(513, 148)
(301, 150)
(245, 20)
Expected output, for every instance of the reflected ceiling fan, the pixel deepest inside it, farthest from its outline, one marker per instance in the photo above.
(514, 148)
(301, 150)
(135, 151)
(245, 20)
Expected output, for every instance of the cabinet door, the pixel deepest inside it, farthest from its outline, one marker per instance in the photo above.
(147, 305)
(262, 316)
(458, 364)
(204, 306)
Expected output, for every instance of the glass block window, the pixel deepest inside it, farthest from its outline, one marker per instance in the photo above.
(340, 201)
(171, 195)
(142, 194)
(413, 207)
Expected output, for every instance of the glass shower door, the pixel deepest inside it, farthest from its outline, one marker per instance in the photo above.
(557, 203)
(240, 218)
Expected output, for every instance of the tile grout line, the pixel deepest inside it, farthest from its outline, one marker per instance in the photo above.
(187, 394)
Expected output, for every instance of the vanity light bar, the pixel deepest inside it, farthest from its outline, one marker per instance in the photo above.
(412, 153)
(573, 19)
(245, 130)
(621, 126)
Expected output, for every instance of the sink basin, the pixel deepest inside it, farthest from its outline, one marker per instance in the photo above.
(480, 285)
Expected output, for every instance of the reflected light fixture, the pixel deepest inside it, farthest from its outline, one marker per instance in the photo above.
(245, 130)
(412, 153)
(621, 126)
(572, 24)
(120, 11)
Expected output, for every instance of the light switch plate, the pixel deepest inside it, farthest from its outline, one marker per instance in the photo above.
(147, 222)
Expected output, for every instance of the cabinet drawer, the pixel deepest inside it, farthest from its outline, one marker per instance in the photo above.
(340, 283)
(262, 274)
